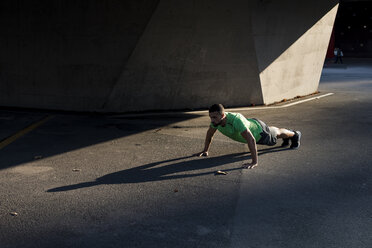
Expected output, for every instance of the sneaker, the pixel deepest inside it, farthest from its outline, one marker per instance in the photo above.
(296, 140)
(285, 142)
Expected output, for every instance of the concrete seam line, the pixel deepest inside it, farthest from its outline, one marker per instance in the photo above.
(24, 131)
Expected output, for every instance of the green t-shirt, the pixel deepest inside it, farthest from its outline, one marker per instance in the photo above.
(236, 124)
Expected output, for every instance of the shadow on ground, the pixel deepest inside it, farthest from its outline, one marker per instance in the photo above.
(159, 171)
(64, 133)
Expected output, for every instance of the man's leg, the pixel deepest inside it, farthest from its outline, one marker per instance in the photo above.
(287, 135)
(283, 133)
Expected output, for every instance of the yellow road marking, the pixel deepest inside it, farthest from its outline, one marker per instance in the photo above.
(24, 131)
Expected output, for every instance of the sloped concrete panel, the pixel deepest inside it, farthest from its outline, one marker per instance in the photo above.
(192, 54)
(291, 40)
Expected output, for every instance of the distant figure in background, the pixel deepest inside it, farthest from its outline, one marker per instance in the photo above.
(338, 55)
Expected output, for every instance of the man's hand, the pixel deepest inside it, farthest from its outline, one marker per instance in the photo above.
(202, 154)
(208, 140)
(249, 165)
(251, 141)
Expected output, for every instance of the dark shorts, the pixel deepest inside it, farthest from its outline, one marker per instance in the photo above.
(268, 135)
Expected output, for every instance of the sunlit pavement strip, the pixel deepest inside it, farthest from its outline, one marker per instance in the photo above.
(230, 109)
(24, 131)
(271, 107)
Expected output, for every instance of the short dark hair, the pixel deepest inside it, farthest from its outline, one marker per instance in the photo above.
(217, 108)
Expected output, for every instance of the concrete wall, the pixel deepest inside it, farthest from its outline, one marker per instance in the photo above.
(66, 54)
(120, 56)
(192, 54)
(291, 40)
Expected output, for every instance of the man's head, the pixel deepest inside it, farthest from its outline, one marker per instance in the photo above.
(217, 114)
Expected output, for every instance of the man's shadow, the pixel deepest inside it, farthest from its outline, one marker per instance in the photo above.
(163, 170)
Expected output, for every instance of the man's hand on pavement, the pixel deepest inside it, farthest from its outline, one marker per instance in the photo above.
(202, 154)
(249, 165)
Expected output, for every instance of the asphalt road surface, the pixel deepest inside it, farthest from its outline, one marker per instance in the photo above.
(80, 180)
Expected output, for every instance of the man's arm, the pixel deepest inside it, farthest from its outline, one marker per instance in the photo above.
(251, 141)
(208, 140)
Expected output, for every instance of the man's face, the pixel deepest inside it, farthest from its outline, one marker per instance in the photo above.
(216, 118)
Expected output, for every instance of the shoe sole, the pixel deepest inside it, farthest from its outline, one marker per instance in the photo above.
(299, 143)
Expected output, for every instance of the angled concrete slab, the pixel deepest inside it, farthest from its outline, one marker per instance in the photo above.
(156, 55)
